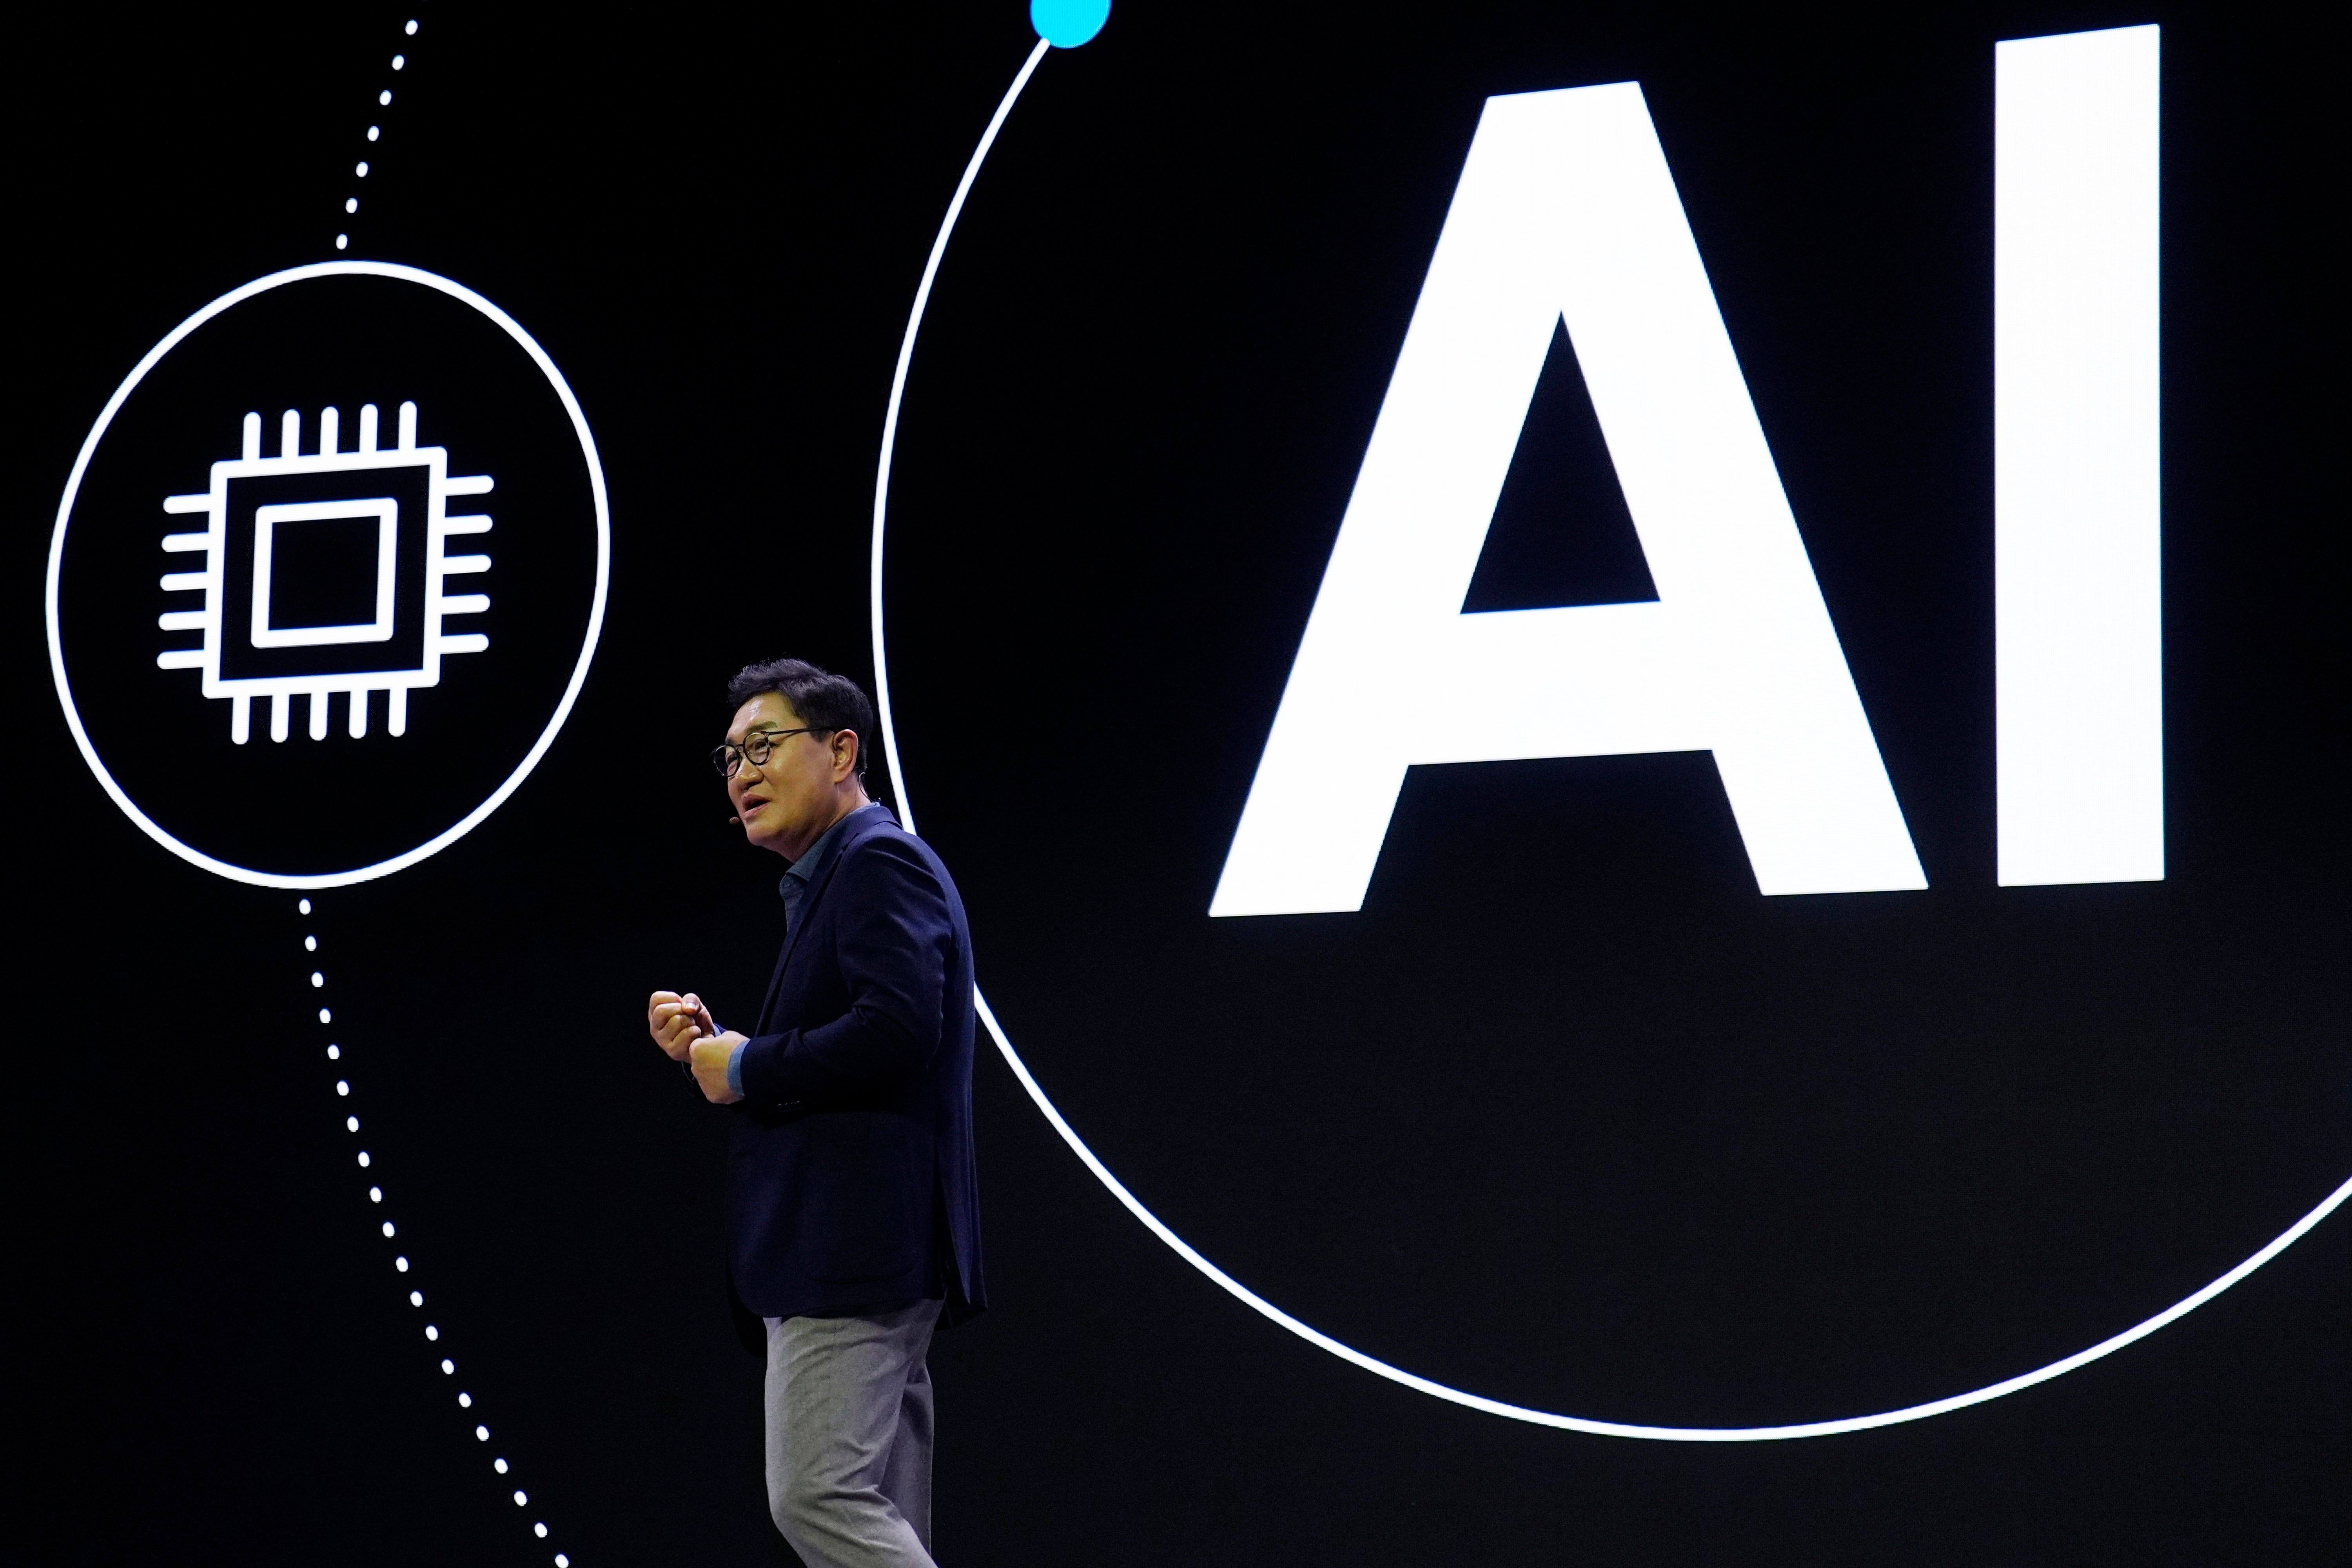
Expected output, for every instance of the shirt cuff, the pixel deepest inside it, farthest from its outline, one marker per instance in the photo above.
(735, 1069)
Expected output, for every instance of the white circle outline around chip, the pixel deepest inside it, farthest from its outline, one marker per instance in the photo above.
(498, 797)
(1251, 1298)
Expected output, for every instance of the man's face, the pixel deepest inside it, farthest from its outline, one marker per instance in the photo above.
(788, 800)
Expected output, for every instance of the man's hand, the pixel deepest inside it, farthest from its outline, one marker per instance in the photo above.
(675, 1022)
(710, 1055)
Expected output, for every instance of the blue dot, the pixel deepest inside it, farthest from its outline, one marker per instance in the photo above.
(1066, 24)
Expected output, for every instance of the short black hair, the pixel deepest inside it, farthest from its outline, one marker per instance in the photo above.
(826, 702)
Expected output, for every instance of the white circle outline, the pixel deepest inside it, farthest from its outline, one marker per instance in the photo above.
(1242, 1292)
(498, 797)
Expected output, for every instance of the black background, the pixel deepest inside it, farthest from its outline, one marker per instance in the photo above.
(1113, 518)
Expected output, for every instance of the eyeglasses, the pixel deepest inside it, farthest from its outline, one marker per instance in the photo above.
(756, 749)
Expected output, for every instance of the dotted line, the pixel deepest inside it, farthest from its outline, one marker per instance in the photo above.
(375, 133)
(400, 1262)
(390, 1232)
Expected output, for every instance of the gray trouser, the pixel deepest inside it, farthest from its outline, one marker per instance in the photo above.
(849, 1437)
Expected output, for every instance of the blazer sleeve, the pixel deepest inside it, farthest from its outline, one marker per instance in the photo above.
(893, 937)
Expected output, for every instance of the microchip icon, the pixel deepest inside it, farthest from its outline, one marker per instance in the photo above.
(324, 573)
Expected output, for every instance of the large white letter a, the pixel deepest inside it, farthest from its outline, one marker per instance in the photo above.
(1566, 210)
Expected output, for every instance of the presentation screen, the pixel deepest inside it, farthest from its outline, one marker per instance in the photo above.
(1640, 713)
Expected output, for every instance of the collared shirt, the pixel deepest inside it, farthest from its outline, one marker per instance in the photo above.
(793, 887)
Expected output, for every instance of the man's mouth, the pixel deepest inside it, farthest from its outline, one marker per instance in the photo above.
(751, 804)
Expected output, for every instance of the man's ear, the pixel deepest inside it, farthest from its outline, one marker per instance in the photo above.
(845, 762)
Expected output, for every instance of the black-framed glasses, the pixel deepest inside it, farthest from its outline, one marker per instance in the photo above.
(757, 748)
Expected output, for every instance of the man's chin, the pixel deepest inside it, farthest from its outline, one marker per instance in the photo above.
(760, 836)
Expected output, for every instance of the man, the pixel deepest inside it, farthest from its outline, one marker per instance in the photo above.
(853, 1222)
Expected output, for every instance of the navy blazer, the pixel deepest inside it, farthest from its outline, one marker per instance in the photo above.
(850, 1174)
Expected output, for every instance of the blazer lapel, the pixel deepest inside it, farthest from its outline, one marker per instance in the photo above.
(856, 831)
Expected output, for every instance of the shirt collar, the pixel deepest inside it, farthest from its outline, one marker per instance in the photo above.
(819, 854)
